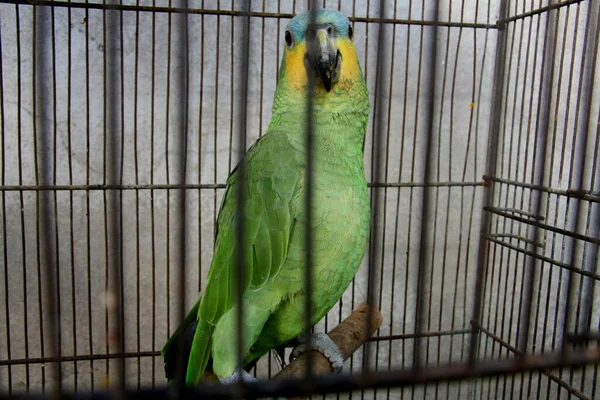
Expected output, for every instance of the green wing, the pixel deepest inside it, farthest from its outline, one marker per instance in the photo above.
(272, 172)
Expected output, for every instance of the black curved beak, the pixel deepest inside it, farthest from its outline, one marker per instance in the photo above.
(322, 55)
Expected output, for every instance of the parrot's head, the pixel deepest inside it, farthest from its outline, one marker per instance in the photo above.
(325, 49)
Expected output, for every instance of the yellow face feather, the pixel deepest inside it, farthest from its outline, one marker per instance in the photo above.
(350, 71)
(295, 70)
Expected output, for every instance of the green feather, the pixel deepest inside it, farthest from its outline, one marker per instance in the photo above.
(199, 354)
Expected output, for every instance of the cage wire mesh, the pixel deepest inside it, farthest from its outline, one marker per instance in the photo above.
(486, 186)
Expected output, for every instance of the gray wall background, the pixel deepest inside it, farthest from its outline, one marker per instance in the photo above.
(148, 124)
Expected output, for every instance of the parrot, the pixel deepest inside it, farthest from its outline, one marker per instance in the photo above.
(274, 214)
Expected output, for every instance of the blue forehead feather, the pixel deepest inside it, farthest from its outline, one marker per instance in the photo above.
(300, 22)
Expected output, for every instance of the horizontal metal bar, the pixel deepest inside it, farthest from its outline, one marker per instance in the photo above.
(416, 335)
(26, 188)
(537, 11)
(44, 360)
(545, 371)
(544, 258)
(448, 24)
(547, 227)
(143, 186)
(426, 184)
(348, 383)
(236, 13)
(88, 357)
(522, 212)
(586, 195)
(517, 237)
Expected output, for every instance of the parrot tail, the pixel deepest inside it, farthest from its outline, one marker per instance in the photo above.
(183, 337)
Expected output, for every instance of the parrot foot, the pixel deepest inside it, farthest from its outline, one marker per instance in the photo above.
(241, 375)
(322, 343)
(238, 375)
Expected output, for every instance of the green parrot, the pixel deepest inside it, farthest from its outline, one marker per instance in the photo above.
(274, 212)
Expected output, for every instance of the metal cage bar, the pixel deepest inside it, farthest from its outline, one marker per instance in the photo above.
(492, 306)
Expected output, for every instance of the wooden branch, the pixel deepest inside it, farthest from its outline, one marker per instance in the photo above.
(349, 335)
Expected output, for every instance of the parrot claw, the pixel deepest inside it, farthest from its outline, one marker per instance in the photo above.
(322, 343)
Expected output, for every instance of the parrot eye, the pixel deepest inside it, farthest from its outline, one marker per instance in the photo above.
(288, 39)
(350, 32)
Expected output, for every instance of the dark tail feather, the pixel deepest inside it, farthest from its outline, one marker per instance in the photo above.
(172, 351)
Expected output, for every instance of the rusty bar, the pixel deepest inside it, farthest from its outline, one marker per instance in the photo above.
(237, 13)
(347, 383)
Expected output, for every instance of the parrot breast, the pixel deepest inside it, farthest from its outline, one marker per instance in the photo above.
(340, 234)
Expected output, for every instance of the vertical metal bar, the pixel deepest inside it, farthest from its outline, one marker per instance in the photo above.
(4, 236)
(120, 284)
(262, 70)
(231, 90)
(278, 55)
(21, 202)
(395, 242)
(547, 79)
(53, 180)
(152, 192)
(47, 221)
(380, 270)
(308, 195)
(242, 117)
(498, 193)
(508, 158)
(200, 115)
(491, 157)
(365, 72)
(167, 169)
(588, 66)
(549, 329)
(260, 115)
(137, 193)
(113, 101)
(404, 135)
(521, 174)
(425, 213)
(413, 159)
(199, 149)
(105, 144)
(38, 208)
(353, 290)
(377, 163)
(215, 115)
(371, 247)
(470, 139)
(87, 196)
(436, 196)
(182, 106)
(550, 269)
(71, 213)
(514, 131)
(472, 212)
(554, 201)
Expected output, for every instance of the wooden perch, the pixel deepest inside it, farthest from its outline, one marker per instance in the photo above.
(349, 335)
